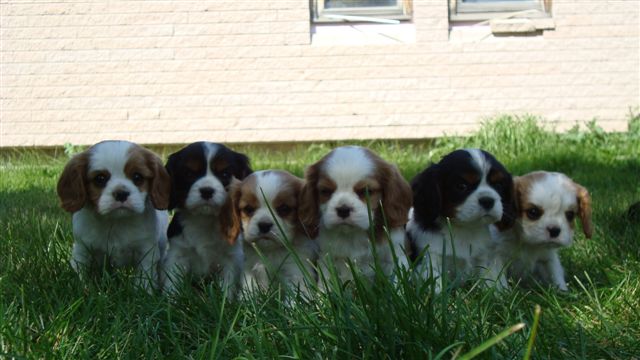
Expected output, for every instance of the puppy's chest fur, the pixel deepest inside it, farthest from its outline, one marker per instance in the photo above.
(521, 257)
(465, 248)
(276, 264)
(342, 247)
(196, 241)
(124, 241)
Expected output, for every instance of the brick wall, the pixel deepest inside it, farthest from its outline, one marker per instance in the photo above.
(247, 71)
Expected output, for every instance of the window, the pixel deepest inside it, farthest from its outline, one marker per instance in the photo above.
(473, 10)
(360, 10)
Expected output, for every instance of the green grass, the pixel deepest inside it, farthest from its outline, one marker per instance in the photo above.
(46, 312)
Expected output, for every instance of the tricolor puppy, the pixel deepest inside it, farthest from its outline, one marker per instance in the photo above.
(202, 234)
(547, 204)
(267, 203)
(116, 191)
(473, 190)
(334, 208)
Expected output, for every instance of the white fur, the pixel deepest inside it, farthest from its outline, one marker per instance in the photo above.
(130, 233)
(200, 251)
(528, 248)
(349, 244)
(267, 259)
(473, 248)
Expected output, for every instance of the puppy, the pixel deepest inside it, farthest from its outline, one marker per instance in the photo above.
(116, 191)
(334, 210)
(546, 203)
(202, 234)
(267, 204)
(472, 190)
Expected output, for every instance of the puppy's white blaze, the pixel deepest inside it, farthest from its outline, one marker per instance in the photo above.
(109, 156)
(480, 161)
(210, 151)
(270, 183)
(348, 165)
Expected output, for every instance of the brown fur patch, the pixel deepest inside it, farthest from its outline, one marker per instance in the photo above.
(94, 191)
(72, 185)
(156, 182)
(471, 177)
(496, 177)
(309, 209)
(230, 225)
(584, 210)
(396, 195)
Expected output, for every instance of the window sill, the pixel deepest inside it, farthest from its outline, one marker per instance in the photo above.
(363, 34)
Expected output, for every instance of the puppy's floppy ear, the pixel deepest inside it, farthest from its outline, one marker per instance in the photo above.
(241, 168)
(160, 183)
(71, 185)
(170, 167)
(234, 195)
(397, 197)
(509, 204)
(427, 197)
(309, 209)
(584, 209)
(229, 219)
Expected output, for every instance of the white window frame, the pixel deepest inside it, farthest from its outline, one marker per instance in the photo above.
(320, 14)
(461, 11)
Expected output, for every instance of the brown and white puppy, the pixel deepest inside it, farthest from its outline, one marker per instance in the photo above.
(267, 203)
(547, 204)
(202, 234)
(116, 191)
(334, 209)
(455, 202)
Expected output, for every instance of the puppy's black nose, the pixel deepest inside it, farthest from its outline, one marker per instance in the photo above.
(343, 211)
(264, 227)
(486, 202)
(553, 231)
(121, 195)
(207, 193)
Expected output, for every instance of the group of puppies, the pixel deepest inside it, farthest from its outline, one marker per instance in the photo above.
(464, 217)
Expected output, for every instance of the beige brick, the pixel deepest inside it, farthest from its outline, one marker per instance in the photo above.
(177, 71)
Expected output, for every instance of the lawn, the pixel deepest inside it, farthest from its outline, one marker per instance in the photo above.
(46, 312)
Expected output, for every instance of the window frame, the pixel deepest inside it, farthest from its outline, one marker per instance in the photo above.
(460, 11)
(401, 11)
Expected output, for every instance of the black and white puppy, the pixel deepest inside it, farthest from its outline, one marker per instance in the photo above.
(202, 234)
(472, 190)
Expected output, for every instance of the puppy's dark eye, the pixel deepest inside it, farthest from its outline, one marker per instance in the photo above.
(570, 215)
(324, 191)
(284, 210)
(461, 186)
(362, 192)
(225, 174)
(138, 179)
(248, 210)
(188, 173)
(101, 180)
(534, 213)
